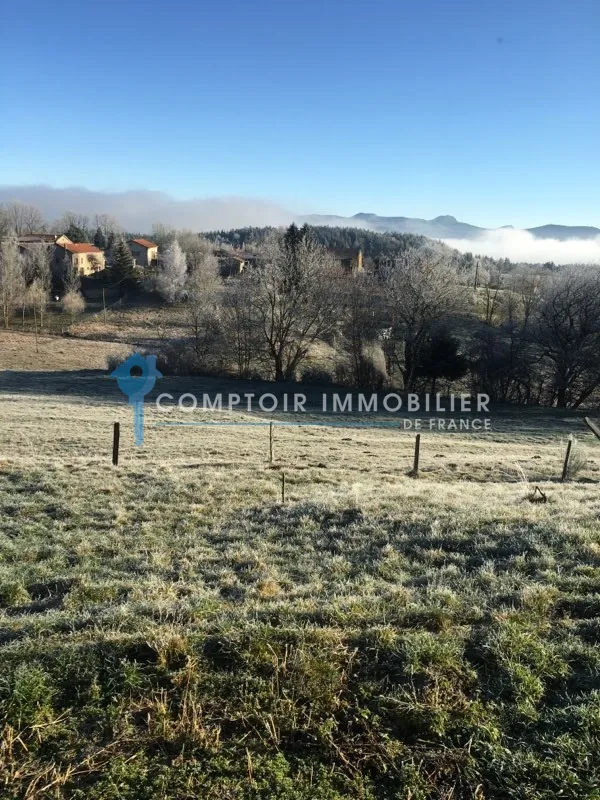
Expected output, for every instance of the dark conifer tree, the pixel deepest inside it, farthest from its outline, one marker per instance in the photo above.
(123, 267)
(100, 239)
(76, 234)
(441, 359)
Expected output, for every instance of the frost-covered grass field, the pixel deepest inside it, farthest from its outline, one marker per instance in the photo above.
(169, 629)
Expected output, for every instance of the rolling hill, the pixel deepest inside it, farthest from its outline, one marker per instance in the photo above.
(445, 227)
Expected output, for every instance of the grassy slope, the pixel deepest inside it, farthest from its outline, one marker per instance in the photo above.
(169, 630)
(18, 352)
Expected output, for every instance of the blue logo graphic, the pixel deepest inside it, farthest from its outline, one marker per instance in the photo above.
(136, 377)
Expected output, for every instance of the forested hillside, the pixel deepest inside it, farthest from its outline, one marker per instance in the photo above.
(372, 244)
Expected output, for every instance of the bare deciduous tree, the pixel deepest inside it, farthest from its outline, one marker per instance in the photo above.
(197, 249)
(71, 219)
(107, 224)
(203, 288)
(526, 286)
(95, 263)
(38, 271)
(36, 299)
(12, 281)
(22, 219)
(293, 297)
(422, 290)
(240, 326)
(491, 295)
(361, 327)
(568, 331)
(163, 235)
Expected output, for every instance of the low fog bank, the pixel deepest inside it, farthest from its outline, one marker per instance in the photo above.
(519, 245)
(139, 210)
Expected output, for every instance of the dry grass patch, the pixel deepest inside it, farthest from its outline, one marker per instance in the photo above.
(18, 352)
(169, 629)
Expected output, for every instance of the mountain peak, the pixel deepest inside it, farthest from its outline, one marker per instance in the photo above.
(445, 219)
(447, 227)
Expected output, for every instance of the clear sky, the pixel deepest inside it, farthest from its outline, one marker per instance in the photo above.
(485, 110)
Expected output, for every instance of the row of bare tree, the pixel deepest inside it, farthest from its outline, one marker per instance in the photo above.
(414, 324)
(22, 219)
(26, 282)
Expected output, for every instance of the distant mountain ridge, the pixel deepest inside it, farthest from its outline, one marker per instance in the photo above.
(446, 227)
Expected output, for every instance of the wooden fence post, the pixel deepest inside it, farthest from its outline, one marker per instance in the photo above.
(566, 464)
(116, 434)
(283, 488)
(270, 442)
(35, 329)
(415, 469)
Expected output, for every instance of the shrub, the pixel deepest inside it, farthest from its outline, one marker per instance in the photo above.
(113, 360)
(73, 303)
(316, 375)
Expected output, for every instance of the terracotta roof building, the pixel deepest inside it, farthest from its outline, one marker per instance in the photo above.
(143, 242)
(144, 251)
(40, 238)
(86, 258)
(80, 247)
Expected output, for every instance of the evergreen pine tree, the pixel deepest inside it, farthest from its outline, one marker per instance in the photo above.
(100, 239)
(292, 239)
(69, 276)
(123, 269)
(76, 233)
(441, 359)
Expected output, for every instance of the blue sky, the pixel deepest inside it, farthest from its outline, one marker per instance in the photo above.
(485, 110)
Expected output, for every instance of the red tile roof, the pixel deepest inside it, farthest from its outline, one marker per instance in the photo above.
(83, 247)
(144, 242)
(35, 238)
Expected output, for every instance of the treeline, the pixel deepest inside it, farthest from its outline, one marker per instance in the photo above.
(417, 323)
(372, 244)
(421, 316)
(378, 246)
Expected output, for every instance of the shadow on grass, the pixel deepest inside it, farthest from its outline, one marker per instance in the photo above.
(97, 386)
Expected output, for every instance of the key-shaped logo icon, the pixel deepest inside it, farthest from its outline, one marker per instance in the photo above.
(136, 377)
